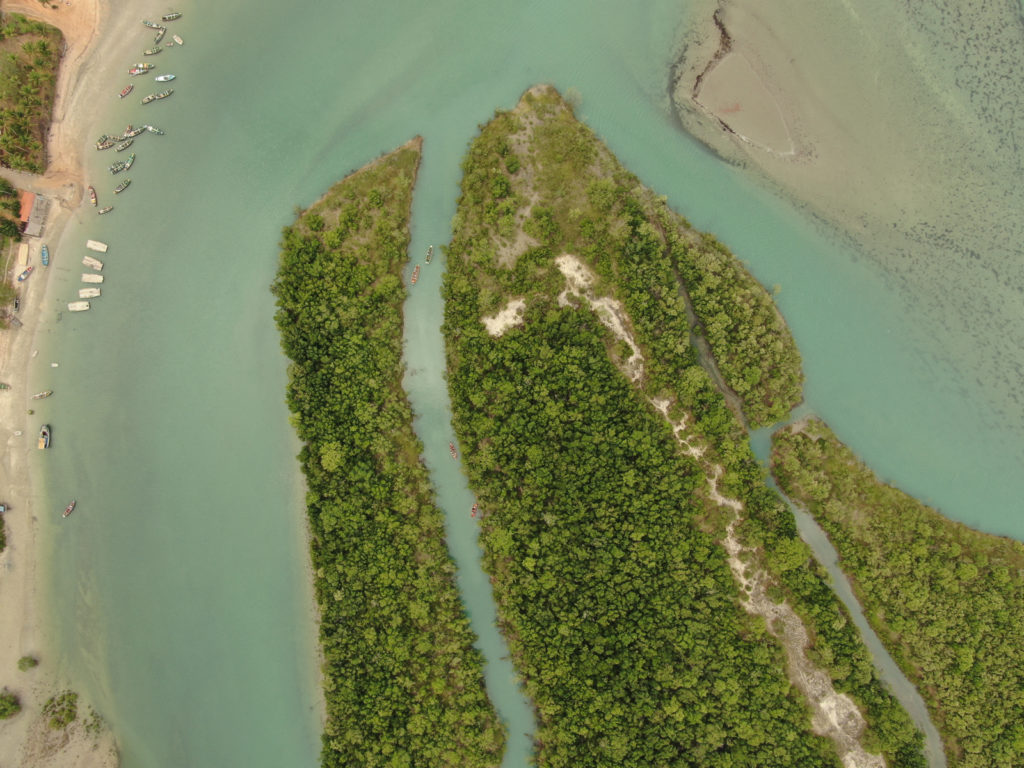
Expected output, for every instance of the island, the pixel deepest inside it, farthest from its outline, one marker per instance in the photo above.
(402, 681)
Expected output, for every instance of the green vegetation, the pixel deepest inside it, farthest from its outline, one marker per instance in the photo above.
(10, 705)
(29, 57)
(621, 611)
(61, 709)
(948, 602)
(26, 663)
(403, 683)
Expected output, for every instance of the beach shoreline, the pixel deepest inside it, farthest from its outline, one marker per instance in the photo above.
(26, 737)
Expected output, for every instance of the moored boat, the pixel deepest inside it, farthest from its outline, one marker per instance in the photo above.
(105, 209)
(126, 90)
(154, 129)
(122, 186)
(152, 51)
(89, 261)
(96, 245)
(92, 195)
(117, 167)
(105, 143)
(88, 277)
(150, 24)
(141, 66)
(131, 133)
(44, 437)
(430, 253)
(25, 274)
(475, 508)
(415, 275)
(130, 161)
(70, 508)
(160, 34)
(171, 16)
(124, 145)
(88, 293)
(78, 306)
(178, 40)
(45, 253)
(164, 78)
(157, 96)
(452, 451)
(42, 395)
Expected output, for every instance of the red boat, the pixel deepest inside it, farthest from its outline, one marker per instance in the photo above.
(415, 275)
(25, 274)
(451, 447)
(126, 90)
(92, 195)
(475, 507)
(69, 508)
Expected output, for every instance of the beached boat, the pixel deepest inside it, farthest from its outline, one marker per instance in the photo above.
(96, 245)
(150, 24)
(124, 145)
(122, 186)
(130, 161)
(70, 508)
(88, 277)
(45, 254)
(415, 275)
(126, 90)
(152, 51)
(171, 16)
(4, 386)
(154, 129)
(160, 35)
(105, 209)
(78, 306)
(44, 437)
(25, 274)
(92, 195)
(164, 78)
(88, 293)
(42, 395)
(89, 261)
(452, 451)
(177, 39)
(430, 253)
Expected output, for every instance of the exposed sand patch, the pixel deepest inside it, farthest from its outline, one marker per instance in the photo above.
(509, 317)
(579, 283)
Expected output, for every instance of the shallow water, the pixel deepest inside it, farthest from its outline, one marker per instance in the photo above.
(181, 602)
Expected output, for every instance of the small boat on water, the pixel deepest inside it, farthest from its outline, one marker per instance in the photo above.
(157, 96)
(126, 90)
(164, 78)
(154, 129)
(145, 66)
(45, 253)
(178, 40)
(88, 293)
(92, 195)
(96, 245)
(171, 16)
(105, 143)
(96, 264)
(124, 145)
(452, 451)
(116, 168)
(106, 209)
(130, 161)
(78, 306)
(151, 24)
(122, 186)
(430, 253)
(152, 51)
(475, 508)
(415, 275)
(25, 274)
(42, 395)
(70, 508)
(88, 277)
(44, 437)
(131, 133)
(160, 35)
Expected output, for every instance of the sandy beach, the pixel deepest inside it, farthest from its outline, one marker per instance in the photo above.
(26, 740)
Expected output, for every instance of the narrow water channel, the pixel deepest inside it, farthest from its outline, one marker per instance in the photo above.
(427, 389)
(888, 671)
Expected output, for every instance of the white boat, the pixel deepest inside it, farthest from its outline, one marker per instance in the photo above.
(88, 277)
(88, 293)
(78, 306)
(96, 245)
(178, 40)
(96, 264)
(164, 78)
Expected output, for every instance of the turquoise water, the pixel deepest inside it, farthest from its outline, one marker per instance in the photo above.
(181, 602)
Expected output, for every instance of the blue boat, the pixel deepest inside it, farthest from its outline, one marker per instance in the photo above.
(46, 256)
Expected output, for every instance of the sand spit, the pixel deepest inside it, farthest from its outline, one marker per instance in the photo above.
(834, 715)
(26, 739)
